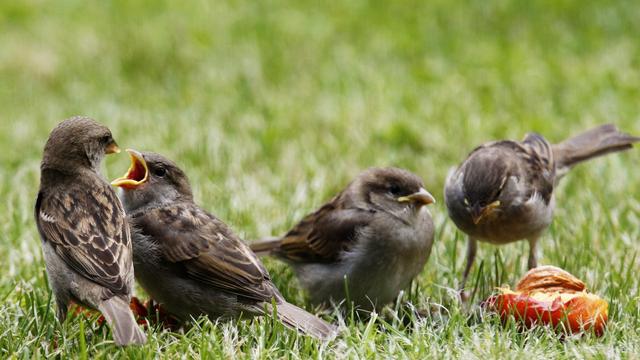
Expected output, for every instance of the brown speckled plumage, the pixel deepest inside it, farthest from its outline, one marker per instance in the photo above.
(503, 191)
(192, 263)
(363, 239)
(85, 235)
(207, 250)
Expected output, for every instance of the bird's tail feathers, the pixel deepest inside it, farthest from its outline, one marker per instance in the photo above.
(123, 325)
(265, 246)
(309, 324)
(592, 143)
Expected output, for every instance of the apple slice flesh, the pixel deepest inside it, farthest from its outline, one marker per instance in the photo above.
(550, 297)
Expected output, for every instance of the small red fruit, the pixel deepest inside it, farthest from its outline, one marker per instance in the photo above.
(552, 296)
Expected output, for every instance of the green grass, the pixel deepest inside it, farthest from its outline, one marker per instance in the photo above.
(272, 106)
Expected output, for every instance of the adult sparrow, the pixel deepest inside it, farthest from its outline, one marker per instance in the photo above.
(503, 191)
(190, 261)
(85, 237)
(365, 245)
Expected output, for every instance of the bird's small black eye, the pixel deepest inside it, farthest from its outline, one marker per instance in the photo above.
(160, 172)
(106, 139)
(394, 189)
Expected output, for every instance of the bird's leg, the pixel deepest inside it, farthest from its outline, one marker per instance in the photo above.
(533, 253)
(472, 249)
(62, 309)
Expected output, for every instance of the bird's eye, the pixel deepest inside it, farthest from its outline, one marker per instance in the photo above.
(394, 189)
(160, 172)
(106, 139)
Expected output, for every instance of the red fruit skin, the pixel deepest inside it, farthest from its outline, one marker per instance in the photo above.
(578, 312)
(137, 307)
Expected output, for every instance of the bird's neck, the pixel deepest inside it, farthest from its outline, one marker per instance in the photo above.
(152, 205)
(51, 174)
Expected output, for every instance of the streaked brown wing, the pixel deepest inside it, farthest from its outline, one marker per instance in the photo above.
(539, 149)
(178, 229)
(323, 235)
(541, 164)
(210, 252)
(88, 230)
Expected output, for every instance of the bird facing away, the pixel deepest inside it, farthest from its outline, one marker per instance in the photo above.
(365, 245)
(503, 191)
(85, 236)
(190, 261)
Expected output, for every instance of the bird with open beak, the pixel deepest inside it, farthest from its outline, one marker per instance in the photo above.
(365, 245)
(85, 236)
(191, 262)
(503, 191)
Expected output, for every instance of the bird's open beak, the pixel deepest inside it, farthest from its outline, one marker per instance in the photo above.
(112, 148)
(483, 213)
(137, 174)
(419, 198)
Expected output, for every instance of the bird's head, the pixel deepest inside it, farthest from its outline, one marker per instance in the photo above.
(485, 186)
(392, 189)
(152, 180)
(78, 142)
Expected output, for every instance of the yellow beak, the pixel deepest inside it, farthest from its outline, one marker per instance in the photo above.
(112, 148)
(485, 212)
(137, 174)
(422, 197)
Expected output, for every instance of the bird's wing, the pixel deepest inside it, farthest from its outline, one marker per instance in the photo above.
(209, 251)
(540, 150)
(88, 230)
(323, 235)
(540, 164)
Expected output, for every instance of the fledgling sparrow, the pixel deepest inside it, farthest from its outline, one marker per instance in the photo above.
(503, 191)
(365, 245)
(190, 261)
(85, 236)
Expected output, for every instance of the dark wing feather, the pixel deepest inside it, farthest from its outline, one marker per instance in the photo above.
(540, 149)
(88, 230)
(182, 231)
(541, 166)
(209, 251)
(323, 235)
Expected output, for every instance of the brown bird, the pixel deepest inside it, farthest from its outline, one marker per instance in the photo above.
(503, 191)
(189, 260)
(85, 236)
(365, 245)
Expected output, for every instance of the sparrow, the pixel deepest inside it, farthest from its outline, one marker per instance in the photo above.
(190, 261)
(365, 245)
(85, 236)
(504, 191)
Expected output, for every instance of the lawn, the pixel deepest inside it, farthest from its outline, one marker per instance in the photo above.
(272, 106)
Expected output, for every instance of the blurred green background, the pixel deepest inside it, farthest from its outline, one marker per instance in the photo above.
(271, 107)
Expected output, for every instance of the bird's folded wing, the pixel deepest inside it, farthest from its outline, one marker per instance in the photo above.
(209, 251)
(323, 235)
(88, 230)
(541, 165)
(540, 149)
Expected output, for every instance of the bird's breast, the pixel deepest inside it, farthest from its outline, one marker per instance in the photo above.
(512, 223)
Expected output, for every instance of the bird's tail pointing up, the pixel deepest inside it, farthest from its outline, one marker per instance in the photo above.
(592, 143)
